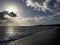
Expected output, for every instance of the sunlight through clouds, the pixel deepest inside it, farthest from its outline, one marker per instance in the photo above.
(27, 12)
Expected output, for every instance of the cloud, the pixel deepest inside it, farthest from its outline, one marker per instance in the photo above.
(38, 4)
(44, 20)
(55, 19)
(20, 21)
(58, 1)
(43, 4)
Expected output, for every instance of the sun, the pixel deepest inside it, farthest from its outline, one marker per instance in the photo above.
(11, 8)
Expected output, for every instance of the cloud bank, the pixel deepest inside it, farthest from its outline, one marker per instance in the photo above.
(20, 21)
(41, 20)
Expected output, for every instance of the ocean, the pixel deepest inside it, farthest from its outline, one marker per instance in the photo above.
(29, 35)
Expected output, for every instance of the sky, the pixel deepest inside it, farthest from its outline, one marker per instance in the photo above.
(33, 12)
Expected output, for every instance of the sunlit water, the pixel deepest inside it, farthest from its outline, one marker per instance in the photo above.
(47, 32)
(7, 32)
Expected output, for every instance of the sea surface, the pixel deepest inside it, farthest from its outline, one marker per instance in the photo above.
(32, 35)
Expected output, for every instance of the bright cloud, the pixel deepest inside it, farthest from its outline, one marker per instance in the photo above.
(38, 4)
(43, 4)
